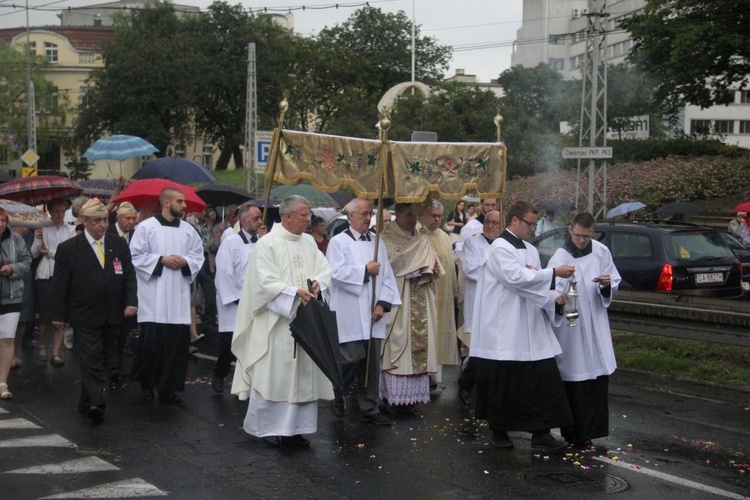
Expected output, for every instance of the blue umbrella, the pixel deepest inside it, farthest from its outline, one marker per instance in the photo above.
(175, 169)
(624, 208)
(119, 147)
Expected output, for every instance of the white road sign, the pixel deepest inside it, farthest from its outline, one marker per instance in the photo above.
(595, 153)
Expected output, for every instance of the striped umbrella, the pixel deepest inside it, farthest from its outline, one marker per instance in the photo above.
(38, 190)
(119, 147)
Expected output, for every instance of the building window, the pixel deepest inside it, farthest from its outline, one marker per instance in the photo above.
(50, 51)
(208, 153)
(179, 150)
(556, 63)
(85, 97)
(32, 49)
(557, 39)
(744, 97)
(49, 104)
(724, 126)
(744, 126)
(3, 154)
(86, 58)
(700, 127)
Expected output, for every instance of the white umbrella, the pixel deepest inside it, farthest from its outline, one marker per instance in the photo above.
(624, 208)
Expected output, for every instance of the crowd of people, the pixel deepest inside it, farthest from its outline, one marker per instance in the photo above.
(400, 297)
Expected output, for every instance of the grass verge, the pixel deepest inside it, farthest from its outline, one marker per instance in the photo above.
(686, 359)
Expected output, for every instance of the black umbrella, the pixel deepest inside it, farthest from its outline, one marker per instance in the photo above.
(679, 207)
(314, 329)
(221, 195)
(176, 169)
(556, 205)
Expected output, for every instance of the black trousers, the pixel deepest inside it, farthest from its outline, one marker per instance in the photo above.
(93, 351)
(468, 377)
(355, 365)
(224, 361)
(115, 366)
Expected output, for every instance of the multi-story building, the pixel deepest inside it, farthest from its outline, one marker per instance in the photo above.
(554, 32)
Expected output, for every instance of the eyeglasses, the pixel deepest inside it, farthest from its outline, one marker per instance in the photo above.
(364, 214)
(531, 225)
(582, 236)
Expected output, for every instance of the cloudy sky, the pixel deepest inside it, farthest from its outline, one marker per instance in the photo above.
(481, 32)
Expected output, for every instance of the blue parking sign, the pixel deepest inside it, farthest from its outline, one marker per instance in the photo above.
(264, 149)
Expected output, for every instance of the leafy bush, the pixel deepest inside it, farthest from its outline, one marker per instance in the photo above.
(654, 182)
(627, 151)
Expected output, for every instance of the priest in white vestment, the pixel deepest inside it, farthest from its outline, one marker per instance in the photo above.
(588, 358)
(360, 320)
(167, 255)
(231, 267)
(446, 294)
(518, 384)
(409, 351)
(283, 387)
(474, 255)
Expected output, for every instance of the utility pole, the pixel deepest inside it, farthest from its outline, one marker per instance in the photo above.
(591, 185)
(251, 124)
(30, 108)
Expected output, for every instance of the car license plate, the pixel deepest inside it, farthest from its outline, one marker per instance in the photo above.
(707, 278)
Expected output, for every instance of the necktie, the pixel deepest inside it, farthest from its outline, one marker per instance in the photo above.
(99, 251)
(125, 235)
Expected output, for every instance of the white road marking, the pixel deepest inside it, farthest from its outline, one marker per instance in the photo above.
(77, 466)
(672, 479)
(17, 423)
(204, 356)
(52, 440)
(3, 411)
(120, 489)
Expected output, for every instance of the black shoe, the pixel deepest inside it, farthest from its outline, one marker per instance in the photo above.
(376, 419)
(168, 397)
(501, 440)
(272, 440)
(296, 440)
(95, 413)
(464, 395)
(217, 384)
(338, 407)
(406, 410)
(115, 383)
(544, 441)
(147, 393)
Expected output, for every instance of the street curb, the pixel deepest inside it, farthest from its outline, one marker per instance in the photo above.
(666, 383)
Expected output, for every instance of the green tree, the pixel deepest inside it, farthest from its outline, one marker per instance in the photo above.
(148, 82)
(631, 93)
(221, 40)
(698, 51)
(50, 106)
(535, 101)
(456, 112)
(364, 57)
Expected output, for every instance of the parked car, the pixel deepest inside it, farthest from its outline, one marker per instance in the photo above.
(743, 255)
(663, 256)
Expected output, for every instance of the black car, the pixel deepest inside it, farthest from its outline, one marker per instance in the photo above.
(663, 256)
(743, 255)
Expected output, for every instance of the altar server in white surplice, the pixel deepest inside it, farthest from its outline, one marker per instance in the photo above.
(588, 358)
(231, 267)
(167, 255)
(518, 384)
(283, 386)
(474, 255)
(361, 326)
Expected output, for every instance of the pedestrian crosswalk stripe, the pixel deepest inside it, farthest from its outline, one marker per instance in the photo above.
(77, 466)
(3, 411)
(52, 440)
(17, 423)
(120, 489)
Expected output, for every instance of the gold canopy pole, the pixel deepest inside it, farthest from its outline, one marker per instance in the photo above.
(275, 146)
(499, 130)
(383, 126)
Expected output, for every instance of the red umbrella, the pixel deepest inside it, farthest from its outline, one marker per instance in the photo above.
(38, 190)
(742, 207)
(145, 191)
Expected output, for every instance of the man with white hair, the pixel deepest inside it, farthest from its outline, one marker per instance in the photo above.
(95, 290)
(360, 319)
(283, 386)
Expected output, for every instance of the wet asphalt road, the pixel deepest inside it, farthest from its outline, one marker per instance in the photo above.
(660, 446)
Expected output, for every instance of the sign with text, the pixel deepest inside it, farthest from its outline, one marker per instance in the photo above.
(262, 149)
(635, 127)
(590, 153)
